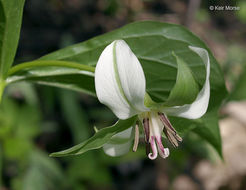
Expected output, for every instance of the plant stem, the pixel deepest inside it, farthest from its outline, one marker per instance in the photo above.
(51, 63)
(1, 166)
(2, 87)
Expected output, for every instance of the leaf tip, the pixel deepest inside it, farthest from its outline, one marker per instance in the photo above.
(174, 54)
(56, 154)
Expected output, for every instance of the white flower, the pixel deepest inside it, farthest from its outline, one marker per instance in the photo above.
(120, 85)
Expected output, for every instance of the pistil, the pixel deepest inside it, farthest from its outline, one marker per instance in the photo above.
(153, 136)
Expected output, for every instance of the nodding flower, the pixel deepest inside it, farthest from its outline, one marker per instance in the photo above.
(121, 85)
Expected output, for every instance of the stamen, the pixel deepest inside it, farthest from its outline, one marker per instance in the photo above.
(136, 140)
(171, 138)
(166, 122)
(164, 152)
(179, 138)
(146, 129)
(153, 155)
(169, 131)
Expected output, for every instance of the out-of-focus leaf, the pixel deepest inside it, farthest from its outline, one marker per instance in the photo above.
(8, 114)
(239, 92)
(84, 167)
(20, 121)
(75, 116)
(43, 173)
(100, 138)
(17, 148)
(19, 124)
(242, 12)
(23, 90)
(28, 122)
(10, 24)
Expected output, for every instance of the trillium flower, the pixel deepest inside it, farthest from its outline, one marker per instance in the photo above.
(121, 85)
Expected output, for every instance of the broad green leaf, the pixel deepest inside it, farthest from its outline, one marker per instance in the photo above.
(62, 74)
(100, 138)
(10, 24)
(185, 88)
(153, 44)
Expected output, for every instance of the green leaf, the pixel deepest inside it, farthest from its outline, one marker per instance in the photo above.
(62, 74)
(185, 88)
(98, 140)
(209, 130)
(10, 24)
(153, 43)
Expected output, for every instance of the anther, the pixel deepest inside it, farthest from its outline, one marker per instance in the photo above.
(170, 137)
(136, 140)
(169, 131)
(166, 122)
(146, 129)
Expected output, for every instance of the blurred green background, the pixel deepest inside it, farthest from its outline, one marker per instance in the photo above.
(38, 120)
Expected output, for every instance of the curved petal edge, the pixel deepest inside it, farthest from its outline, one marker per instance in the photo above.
(199, 107)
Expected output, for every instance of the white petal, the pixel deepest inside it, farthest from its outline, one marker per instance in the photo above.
(199, 107)
(120, 81)
(114, 149)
